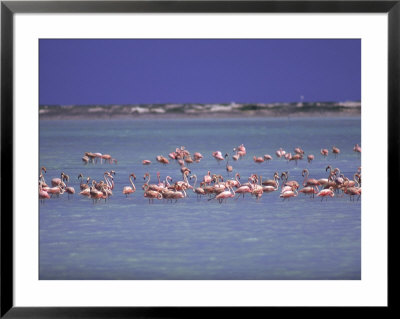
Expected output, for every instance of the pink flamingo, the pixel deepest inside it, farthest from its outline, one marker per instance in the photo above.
(279, 153)
(339, 178)
(160, 184)
(228, 167)
(289, 193)
(69, 189)
(152, 187)
(56, 190)
(326, 192)
(288, 156)
(188, 159)
(94, 193)
(82, 185)
(42, 193)
(350, 183)
(230, 193)
(162, 159)
(267, 157)
(296, 157)
(293, 183)
(151, 195)
(128, 189)
(257, 190)
(310, 158)
(309, 181)
(218, 156)
(325, 181)
(240, 150)
(58, 181)
(146, 162)
(179, 185)
(91, 156)
(198, 190)
(41, 176)
(106, 158)
(108, 186)
(234, 182)
(272, 182)
(335, 151)
(258, 159)
(179, 194)
(172, 155)
(236, 156)
(107, 177)
(357, 148)
(269, 188)
(353, 190)
(185, 170)
(271, 185)
(298, 150)
(309, 190)
(85, 192)
(207, 178)
(198, 155)
(166, 183)
(324, 152)
(219, 187)
(243, 189)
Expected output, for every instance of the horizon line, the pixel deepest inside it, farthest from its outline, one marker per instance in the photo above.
(201, 103)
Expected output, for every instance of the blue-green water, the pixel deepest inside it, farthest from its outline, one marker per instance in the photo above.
(128, 238)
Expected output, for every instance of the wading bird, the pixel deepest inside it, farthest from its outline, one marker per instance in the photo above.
(129, 189)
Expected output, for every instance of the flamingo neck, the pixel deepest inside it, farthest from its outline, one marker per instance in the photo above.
(107, 180)
(277, 182)
(133, 185)
(237, 180)
(305, 178)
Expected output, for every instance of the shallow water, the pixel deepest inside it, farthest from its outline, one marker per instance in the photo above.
(128, 238)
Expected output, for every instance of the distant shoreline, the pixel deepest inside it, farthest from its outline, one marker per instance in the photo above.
(198, 111)
(208, 116)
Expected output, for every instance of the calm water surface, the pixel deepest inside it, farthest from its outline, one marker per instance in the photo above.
(128, 238)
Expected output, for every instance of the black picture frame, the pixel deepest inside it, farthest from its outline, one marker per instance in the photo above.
(9, 8)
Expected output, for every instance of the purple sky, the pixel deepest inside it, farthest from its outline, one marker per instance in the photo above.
(198, 71)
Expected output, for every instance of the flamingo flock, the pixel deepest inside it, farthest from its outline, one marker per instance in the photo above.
(213, 186)
(94, 158)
